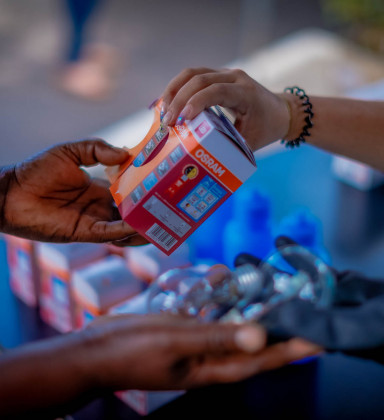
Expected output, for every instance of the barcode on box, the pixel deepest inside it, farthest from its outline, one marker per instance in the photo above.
(161, 236)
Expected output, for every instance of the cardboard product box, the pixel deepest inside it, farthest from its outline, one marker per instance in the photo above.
(143, 402)
(115, 250)
(175, 179)
(23, 269)
(148, 262)
(99, 286)
(134, 305)
(57, 263)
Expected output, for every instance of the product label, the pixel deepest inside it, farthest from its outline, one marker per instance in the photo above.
(167, 216)
(210, 162)
(202, 198)
(206, 159)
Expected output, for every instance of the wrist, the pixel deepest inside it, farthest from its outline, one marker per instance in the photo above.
(6, 180)
(90, 359)
(296, 117)
(44, 375)
(301, 113)
(284, 120)
(94, 348)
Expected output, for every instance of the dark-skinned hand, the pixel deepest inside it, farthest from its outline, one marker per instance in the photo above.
(49, 197)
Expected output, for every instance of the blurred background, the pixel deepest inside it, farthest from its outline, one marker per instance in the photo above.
(76, 68)
(70, 68)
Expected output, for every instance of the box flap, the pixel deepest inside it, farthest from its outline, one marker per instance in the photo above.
(223, 124)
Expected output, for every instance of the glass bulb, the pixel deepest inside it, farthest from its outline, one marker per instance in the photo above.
(293, 272)
(205, 293)
(246, 293)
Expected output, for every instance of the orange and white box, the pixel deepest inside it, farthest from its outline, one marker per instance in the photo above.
(57, 263)
(99, 286)
(175, 179)
(148, 262)
(23, 270)
(143, 402)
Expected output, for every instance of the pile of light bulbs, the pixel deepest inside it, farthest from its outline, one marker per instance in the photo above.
(246, 293)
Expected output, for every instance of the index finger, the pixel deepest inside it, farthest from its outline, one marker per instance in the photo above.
(179, 81)
(217, 338)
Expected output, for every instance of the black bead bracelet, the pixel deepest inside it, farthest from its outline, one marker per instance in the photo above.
(295, 90)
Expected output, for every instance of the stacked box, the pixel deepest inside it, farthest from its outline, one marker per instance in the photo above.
(101, 285)
(57, 263)
(148, 262)
(115, 250)
(144, 402)
(23, 269)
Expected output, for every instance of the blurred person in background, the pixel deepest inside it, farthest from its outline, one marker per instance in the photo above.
(90, 68)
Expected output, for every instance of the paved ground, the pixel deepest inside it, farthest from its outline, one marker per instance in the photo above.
(156, 40)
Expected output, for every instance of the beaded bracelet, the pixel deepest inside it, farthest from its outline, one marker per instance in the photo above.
(308, 119)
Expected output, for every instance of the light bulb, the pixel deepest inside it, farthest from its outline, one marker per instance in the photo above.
(204, 293)
(246, 293)
(313, 281)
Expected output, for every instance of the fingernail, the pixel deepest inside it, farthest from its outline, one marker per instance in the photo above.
(184, 115)
(250, 339)
(126, 238)
(162, 112)
(167, 118)
(153, 103)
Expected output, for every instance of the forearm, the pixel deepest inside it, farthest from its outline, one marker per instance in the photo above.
(48, 378)
(352, 128)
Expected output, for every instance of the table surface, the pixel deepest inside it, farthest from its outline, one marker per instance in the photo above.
(328, 387)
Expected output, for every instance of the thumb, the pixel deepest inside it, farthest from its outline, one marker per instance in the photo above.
(217, 338)
(92, 151)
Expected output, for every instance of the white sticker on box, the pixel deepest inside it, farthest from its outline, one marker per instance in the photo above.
(167, 216)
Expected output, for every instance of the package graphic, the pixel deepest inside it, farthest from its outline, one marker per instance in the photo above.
(23, 270)
(100, 285)
(177, 177)
(57, 263)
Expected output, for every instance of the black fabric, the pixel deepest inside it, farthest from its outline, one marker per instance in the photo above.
(354, 324)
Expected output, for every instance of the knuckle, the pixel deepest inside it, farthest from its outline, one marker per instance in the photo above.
(221, 340)
(219, 90)
(202, 70)
(239, 73)
(200, 80)
(219, 87)
(189, 72)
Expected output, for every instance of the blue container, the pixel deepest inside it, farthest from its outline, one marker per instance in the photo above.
(250, 229)
(304, 228)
